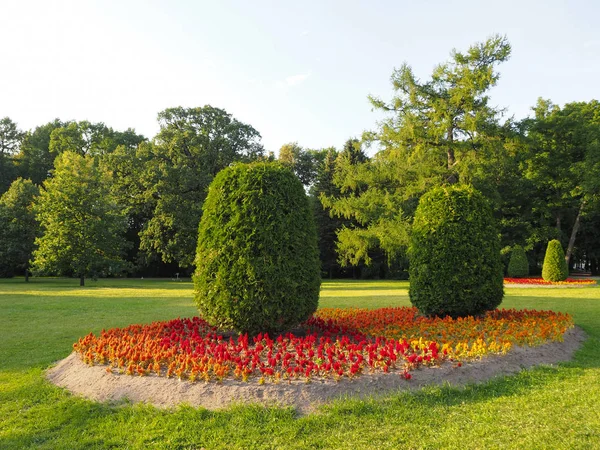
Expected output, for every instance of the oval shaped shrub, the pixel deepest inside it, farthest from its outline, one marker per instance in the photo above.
(455, 264)
(555, 266)
(257, 261)
(518, 266)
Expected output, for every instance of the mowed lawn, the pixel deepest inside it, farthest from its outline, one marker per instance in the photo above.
(548, 407)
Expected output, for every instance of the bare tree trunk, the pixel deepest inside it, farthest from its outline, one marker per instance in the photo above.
(574, 232)
(82, 280)
(26, 275)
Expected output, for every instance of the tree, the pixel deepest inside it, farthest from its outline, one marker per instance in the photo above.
(131, 167)
(305, 163)
(93, 139)
(10, 137)
(455, 265)
(563, 164)
(518, 266)
(18, 227)
(82, 225)
(438, 132)
(327, 226)
(449, 115)
(193, 145)
(10, 141)
(35, 161)
(555, 267)
(257, 267)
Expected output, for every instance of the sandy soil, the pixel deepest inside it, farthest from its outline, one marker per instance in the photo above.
(95, 383)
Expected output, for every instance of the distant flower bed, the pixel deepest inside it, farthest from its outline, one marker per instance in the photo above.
(541, 281)
(337, 343)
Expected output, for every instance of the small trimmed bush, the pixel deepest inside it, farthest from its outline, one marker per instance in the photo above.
(555, 266)
(518, 266)
(455, 265)
(257, 262)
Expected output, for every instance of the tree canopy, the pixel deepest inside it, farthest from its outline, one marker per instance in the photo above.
(436, 133)
(82, 224)
(18, 226)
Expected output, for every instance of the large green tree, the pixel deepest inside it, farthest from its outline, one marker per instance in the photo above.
(193, 145)
(92, 139)
(35, 161)
(18, 227)
(82, 225)
(437, 132)
(10, 142)
(305, 163)
(563, 163)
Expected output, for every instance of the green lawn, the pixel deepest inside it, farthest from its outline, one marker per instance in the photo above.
(543, 408)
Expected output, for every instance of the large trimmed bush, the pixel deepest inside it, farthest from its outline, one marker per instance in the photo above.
(555, 266)
(518, 266)
(257, 262)
(455, 264)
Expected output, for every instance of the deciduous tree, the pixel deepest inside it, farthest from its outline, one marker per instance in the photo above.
(82, 225)
(193, 145)
(18, 227)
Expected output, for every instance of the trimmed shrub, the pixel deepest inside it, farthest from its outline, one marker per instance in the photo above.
(518, 266)
(257, 262)
(455, 265)
(555, 266)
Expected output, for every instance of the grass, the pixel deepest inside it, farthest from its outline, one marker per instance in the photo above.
(548, 407)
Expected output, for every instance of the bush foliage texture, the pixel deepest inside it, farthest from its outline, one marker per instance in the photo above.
(518, 266)
(455, 264)
(555, 266)
(257, 262)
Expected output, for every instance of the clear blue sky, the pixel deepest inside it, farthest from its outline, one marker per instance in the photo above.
(296, 71)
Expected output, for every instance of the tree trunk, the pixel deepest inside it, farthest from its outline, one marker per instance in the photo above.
(452, 178)
(82, 280)
(26, 275)
(574, 233)
(595, 266)
(558, 222)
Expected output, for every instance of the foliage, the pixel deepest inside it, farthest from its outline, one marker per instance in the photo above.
(35, 161)
(555, 266)
(562, 163)
(10, 141)
(10, 137)
(82, 224)
(257, 259)
(18, 227)
(455, 265)
(92, 139)
(437, 131)
(518, 266)
(193, 145)
(306, 164)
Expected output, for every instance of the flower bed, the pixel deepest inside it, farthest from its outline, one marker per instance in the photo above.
(338, 343)
(541, 282)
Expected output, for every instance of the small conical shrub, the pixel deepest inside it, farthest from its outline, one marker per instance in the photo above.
(518, 265)
(455, 265)
(555, 266)
(257, 263)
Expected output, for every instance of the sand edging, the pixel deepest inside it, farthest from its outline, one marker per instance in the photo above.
(93, 382)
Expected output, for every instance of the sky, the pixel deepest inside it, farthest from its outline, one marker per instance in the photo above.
(295, 71)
